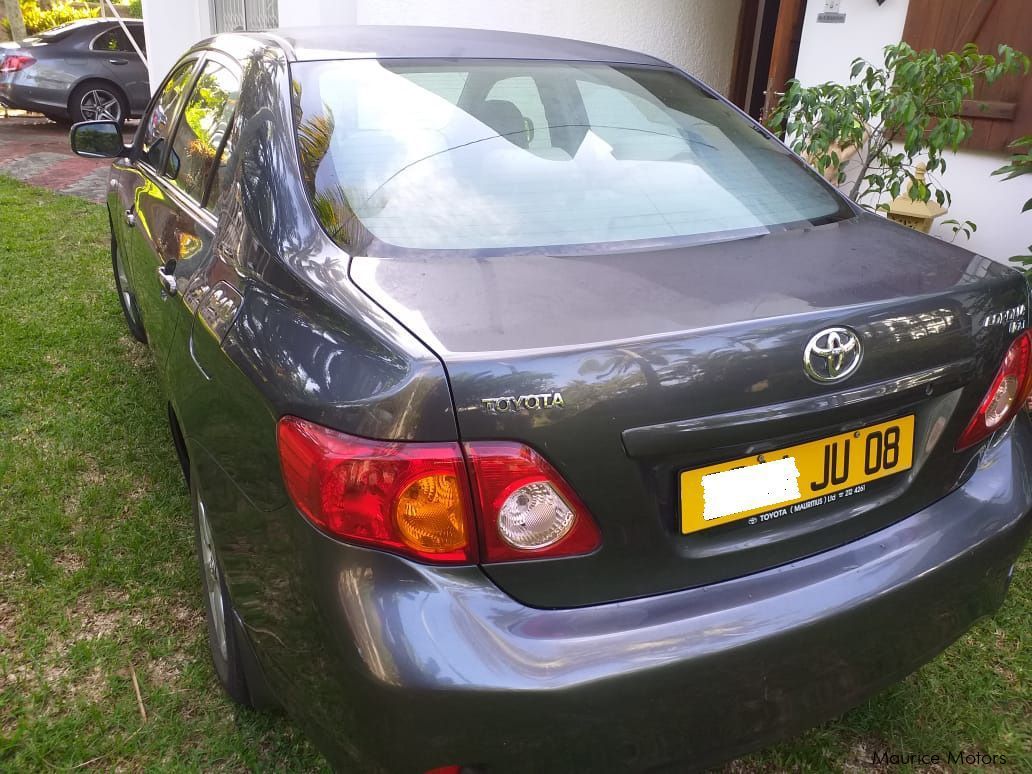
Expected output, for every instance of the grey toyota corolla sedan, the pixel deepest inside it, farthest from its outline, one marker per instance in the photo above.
(542, 412)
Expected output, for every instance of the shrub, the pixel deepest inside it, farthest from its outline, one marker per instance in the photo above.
(42, 19)
(1020, 164)
(872, 129)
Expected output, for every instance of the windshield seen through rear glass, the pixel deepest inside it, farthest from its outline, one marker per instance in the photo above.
(485, 155)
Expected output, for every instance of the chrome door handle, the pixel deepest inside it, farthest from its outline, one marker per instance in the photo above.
(130, 217)
(167, 278)
(118, 61)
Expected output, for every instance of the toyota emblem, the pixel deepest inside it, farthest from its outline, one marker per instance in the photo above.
(832, 355)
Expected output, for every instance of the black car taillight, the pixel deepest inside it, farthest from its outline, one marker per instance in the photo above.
(1008, 392)
(14, 62)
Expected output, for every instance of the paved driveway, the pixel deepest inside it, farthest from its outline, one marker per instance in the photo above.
(36, 151)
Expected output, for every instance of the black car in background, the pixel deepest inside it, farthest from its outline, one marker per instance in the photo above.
(542, 412)
(85, 70)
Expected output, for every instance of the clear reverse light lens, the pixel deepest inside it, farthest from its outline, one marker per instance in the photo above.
(534, 516)
(1000, 405)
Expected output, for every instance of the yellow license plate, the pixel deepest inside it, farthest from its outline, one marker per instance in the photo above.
(796, 478)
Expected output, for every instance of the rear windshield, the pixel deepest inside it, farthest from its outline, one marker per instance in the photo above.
(502, 155)
(63, 31)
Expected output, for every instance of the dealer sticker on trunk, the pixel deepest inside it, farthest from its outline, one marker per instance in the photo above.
(795, 478)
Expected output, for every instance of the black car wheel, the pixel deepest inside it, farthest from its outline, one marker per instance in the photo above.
(98, 101)
(126, 298)
(222, 634)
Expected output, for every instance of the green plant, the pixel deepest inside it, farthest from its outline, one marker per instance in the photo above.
(1020, 164)
(39, 19)
(870, 131)
(961, 228)
(135, 10)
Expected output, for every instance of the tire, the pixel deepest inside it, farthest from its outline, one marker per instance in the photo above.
(223, 643)
(126, 297)
(98, 101)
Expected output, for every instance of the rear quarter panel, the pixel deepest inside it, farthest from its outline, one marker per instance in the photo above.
(303, 342)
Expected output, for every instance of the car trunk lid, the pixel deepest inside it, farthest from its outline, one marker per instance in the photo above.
(678, 358)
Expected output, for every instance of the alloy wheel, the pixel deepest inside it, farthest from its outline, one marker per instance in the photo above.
(100, 105)
(212, 582)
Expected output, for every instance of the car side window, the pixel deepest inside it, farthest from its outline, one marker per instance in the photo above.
(136, 30)
(610, 108)
(158, 123)
(200, 136)
(114, 39)
(447, 85)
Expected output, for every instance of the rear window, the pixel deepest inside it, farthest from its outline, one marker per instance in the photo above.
(61, 32)
(501, 155)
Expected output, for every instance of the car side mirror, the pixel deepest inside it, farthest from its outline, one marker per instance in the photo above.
(97, 140)
(172, 165)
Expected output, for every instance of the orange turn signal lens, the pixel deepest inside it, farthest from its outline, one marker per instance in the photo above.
(430, 516)
(408, 498)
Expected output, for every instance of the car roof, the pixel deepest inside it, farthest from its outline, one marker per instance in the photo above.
(94, 22)
(401, 42)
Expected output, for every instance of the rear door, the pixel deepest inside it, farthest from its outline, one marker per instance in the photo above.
(196, 170)
(178, 204)
(112, 56)
(154, 227)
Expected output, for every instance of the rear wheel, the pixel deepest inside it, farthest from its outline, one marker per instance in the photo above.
(126, 298)
(225, 648)
(98, 101)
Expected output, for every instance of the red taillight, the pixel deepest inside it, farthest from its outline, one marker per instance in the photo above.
(411, 498)
(525, 509)
(14, 62)
(1009, 391)
(414, 498)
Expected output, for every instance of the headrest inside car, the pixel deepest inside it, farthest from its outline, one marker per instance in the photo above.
(506, 119)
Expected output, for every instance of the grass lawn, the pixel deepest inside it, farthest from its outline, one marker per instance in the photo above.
(98, 580)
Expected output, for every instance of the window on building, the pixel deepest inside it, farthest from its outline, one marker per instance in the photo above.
(234, 15)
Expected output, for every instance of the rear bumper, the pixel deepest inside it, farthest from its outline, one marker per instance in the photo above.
(22, 97)
(414, 667)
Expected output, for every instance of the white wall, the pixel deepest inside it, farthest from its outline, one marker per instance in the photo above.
(313, 13)
(994, 205)
(826, 53)
(170, 28)
(698, 35)
(827, 50)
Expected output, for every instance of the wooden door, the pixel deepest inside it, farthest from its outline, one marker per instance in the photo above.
(785, 52)
(999, 113)
(766, 50)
